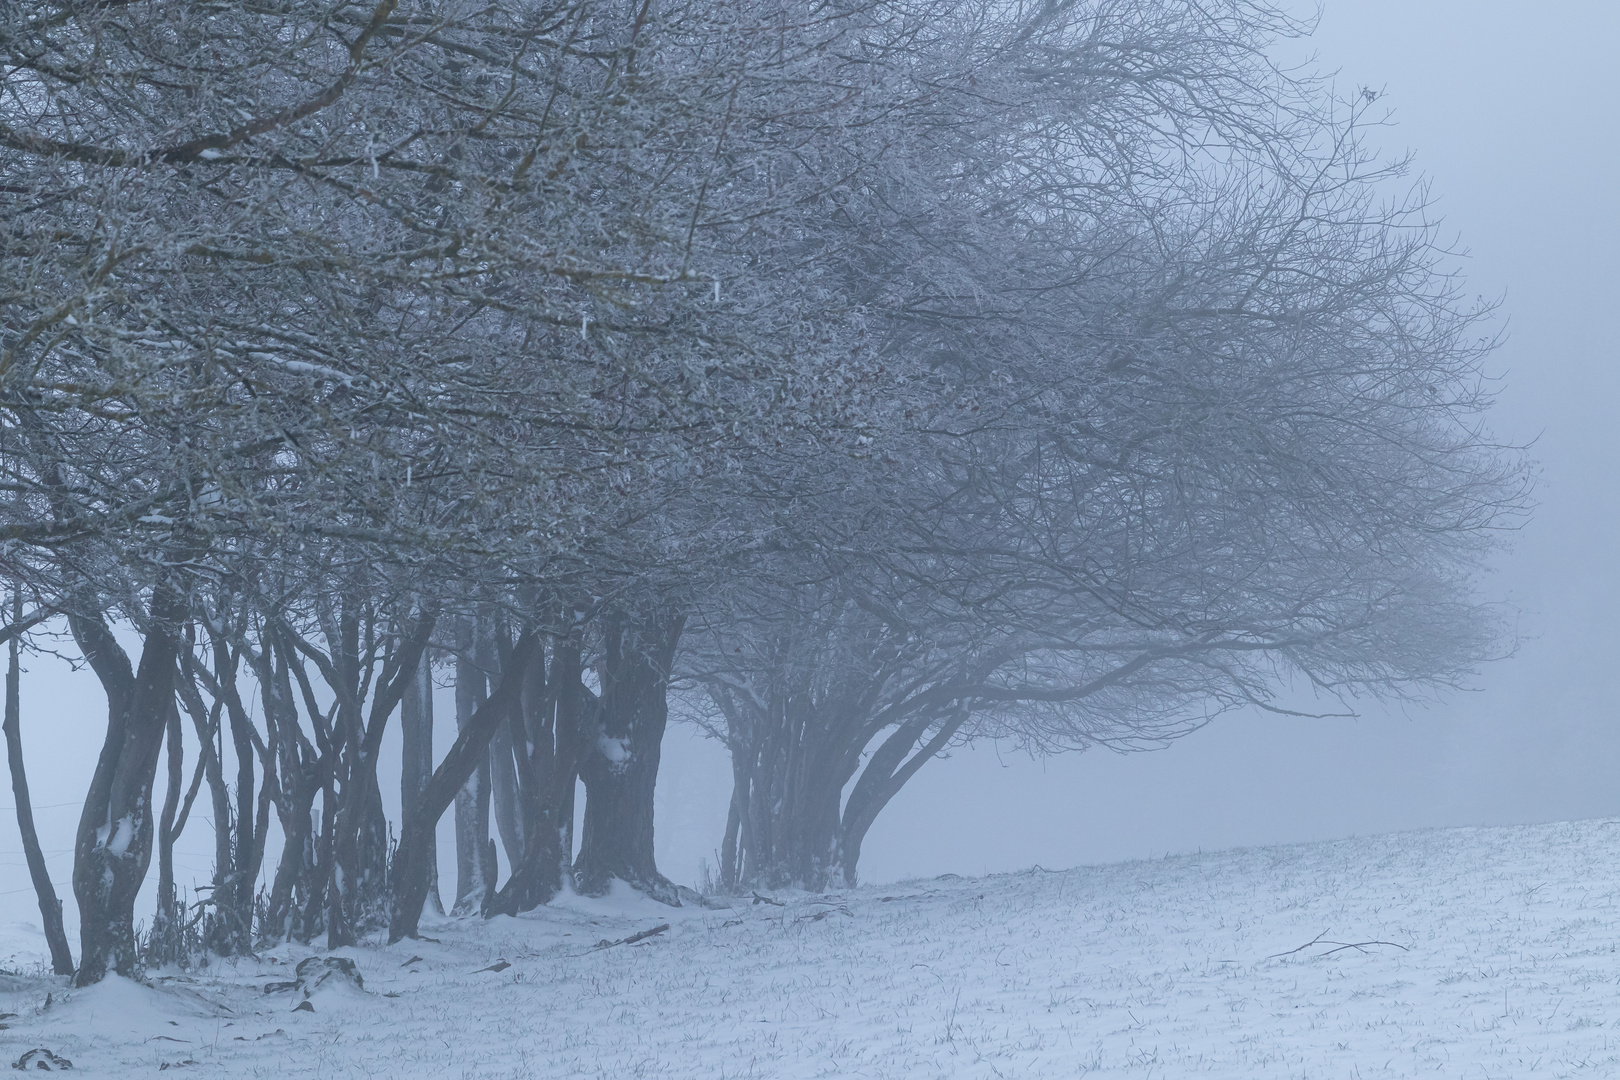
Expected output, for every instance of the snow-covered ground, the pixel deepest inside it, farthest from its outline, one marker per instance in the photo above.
(1485, 953)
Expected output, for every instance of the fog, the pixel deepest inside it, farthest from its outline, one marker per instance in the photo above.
(1509, 110)
(1506, 113)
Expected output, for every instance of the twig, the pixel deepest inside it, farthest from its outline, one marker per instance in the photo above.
(1339, 946)
(1358, 946)
(632, 939)
(822, 914)
(1302, 948)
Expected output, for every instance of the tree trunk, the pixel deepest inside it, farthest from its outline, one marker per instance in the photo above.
(505, 795)
(318, 907)
(50, 908)
(219, 936)
(794, 750)
(359, 895)
(261, 832)
(885, 774)
(166, 923)
(553, 710)
(474, 878)
(283, 914)
(734, 816)
(300, 770)
(341, 630)
(205, 719)
(505, 785)
(113, 848)
(236, 909)
(416, 769)
(621, 769)
(410, 882)
(809, 841)
(790, 761)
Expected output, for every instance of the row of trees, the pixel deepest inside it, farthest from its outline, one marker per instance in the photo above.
(853, 380)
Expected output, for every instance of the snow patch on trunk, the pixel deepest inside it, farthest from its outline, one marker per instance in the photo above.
(616, 751)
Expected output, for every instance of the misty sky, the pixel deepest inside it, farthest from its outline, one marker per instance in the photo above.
(1511, 111)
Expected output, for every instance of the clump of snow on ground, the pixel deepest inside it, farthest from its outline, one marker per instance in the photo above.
(1478, 952)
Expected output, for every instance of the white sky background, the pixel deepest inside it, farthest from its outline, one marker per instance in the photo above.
(1512, 111)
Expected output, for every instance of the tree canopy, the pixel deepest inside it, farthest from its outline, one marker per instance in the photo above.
(875, 376)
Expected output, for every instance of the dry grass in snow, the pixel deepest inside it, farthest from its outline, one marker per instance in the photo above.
(1480, 953)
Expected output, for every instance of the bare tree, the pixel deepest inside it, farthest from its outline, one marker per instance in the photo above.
(1056, 368)
(1217, 425)
(50, 908)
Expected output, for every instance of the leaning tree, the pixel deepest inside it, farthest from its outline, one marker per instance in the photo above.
(1223, 431)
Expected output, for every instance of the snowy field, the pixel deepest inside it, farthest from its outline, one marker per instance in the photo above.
(1501, 961)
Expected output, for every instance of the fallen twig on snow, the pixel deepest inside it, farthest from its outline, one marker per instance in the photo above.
(1339, 946)
(632, 939)
(1358, 946)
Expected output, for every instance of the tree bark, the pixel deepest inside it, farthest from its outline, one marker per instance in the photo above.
(474, 879)
(50, 907)
(297, 867)
(506, 789)
(553, 709)
(299, 769)
(410, 881)
(361, 897)
(236, 909)
(506, 797)
(318, 907)
(416, 768)
(113, 848)
(885, 774)
(206, 720)
(796, 742)
(620, 768)
(167, 921)
(728, 842)
(341, 670)
(791, 758)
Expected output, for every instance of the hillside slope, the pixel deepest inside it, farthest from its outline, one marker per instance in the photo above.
(1485, 952)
